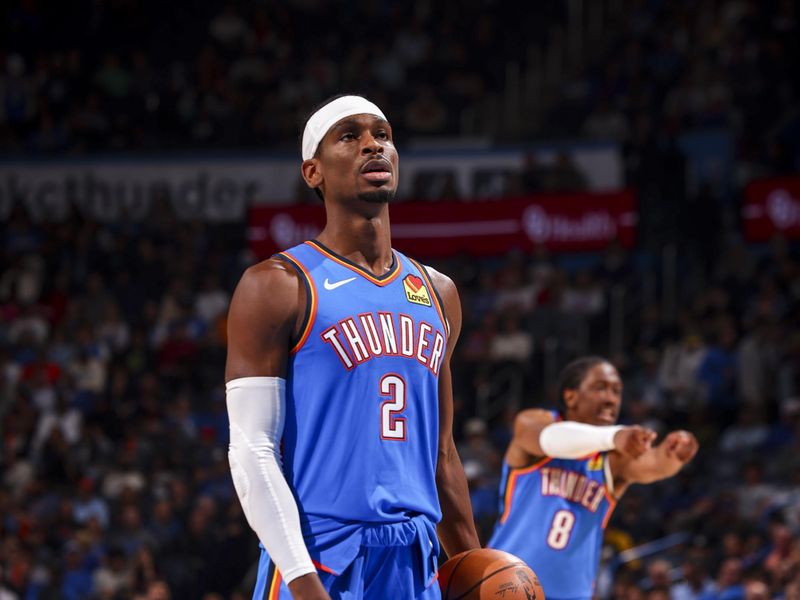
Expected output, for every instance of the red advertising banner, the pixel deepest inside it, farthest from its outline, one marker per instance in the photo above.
(573, 222)
(772, 206)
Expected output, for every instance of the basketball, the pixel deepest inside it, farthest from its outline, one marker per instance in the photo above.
(484, 574)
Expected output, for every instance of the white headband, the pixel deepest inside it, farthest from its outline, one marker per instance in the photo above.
(330, 114)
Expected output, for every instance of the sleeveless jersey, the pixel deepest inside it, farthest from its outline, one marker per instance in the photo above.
(360, 440)
(553, 515)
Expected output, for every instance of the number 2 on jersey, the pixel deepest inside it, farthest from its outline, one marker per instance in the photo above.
(560, 529)
(393, 427)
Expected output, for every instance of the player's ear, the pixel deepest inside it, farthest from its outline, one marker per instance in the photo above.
(570, 398)
(311, 172)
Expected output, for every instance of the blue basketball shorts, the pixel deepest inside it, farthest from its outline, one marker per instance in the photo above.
(378, 572)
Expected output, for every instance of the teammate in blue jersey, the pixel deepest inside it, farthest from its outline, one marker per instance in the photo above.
(565, 471)
(339, 390)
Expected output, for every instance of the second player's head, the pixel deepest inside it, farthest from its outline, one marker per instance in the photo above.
(348, 152)
(590, 391)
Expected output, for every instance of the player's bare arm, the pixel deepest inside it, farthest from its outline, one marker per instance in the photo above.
(524, 448)
(659, 462)
(457, 529)
(265, 313)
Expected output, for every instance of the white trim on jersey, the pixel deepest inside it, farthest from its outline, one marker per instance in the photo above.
(609, 476)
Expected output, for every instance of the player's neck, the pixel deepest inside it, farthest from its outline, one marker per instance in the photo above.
(363, 239)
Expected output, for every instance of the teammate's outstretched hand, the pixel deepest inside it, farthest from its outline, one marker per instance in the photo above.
(681, 445)
(634, 441)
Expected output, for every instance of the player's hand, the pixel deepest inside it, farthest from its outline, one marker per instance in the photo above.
(634, 441)
(681, 445)
(308, 587)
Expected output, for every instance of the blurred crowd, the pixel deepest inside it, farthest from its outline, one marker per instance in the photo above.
(672, 67)
(114, 430)
(115, 482)
(127, 75)
(122, 75)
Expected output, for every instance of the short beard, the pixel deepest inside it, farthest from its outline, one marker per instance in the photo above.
(380, 196)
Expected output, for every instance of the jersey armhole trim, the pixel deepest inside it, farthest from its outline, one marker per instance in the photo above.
(511, 484)
(609, 476)
(437, 299)
(310, 313)
(612, 504)
(540, 462)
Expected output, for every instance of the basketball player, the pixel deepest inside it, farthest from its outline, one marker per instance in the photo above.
(339, 390)
(564, 473)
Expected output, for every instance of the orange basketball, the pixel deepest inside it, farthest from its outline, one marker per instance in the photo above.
(486, 574)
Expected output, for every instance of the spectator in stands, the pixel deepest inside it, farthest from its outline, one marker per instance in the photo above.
(659, 575)
(533, 174)
(425, 113)
(695, 582)
(606, 123)
(481, 463)
(728, 585)
(89, 506)
(716, 373)
(114, 578)
(513, 290)
(678, 371)
(756, 365)
(756, 495)
(584, 296)
(564, 175)
(512, 343)
(747, 435)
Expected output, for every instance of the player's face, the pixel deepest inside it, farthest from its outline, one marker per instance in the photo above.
(357, 159)
(597, 400)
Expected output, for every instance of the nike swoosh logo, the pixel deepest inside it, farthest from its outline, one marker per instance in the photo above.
(332, 286)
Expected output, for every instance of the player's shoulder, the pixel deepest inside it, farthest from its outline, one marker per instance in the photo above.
(534, 417)
(273, 270)
(443, 283)
(271, 278)
(528, 424)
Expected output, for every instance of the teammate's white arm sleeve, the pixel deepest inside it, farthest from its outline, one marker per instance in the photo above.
(570, 439)
(256, 410)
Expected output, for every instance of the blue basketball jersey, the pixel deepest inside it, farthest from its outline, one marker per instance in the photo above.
(361, 435)
(553, 515)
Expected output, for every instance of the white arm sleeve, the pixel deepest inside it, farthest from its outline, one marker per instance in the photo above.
(570, 439)
(256, 410)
